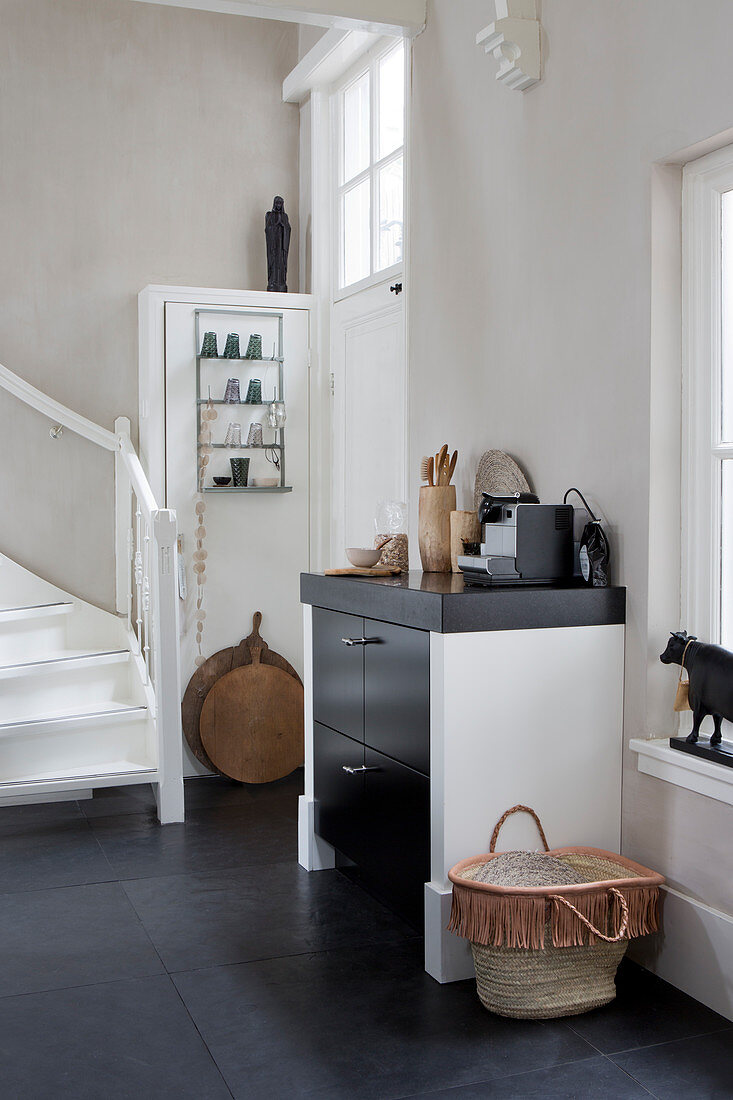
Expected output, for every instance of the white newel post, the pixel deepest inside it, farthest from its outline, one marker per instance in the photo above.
(166, 670)
(123, 495)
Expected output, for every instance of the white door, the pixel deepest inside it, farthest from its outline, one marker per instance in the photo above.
(257, 544)
(368, 362)
(369, 407)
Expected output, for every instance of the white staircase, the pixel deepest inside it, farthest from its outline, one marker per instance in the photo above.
(75, 712)
(89, 698)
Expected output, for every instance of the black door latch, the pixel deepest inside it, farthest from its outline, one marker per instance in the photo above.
(396, 288)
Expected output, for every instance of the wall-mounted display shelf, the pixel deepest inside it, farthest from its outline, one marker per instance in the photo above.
(218, 401)
(210, 379)
(240, 359)
(247, 446)
(249, 489)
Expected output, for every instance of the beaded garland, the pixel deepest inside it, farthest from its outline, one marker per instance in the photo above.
(208, 416)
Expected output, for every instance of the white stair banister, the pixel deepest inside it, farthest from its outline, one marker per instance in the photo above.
(123, 526)
(167, 673)
(55, 411)
(146, 595)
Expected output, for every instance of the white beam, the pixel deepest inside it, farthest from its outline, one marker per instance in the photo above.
(376, 16)
(331, 56)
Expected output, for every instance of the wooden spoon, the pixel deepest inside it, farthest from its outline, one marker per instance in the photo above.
(431, 464)
(451, 468)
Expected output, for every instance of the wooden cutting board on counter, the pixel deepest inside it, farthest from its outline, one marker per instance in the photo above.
(354, 571)
(236, 735)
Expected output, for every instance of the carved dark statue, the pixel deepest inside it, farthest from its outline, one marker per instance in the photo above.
(277, 236)
(710, 670)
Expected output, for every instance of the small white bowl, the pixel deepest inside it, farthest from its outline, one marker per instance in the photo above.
(265, 482)
(363, 558)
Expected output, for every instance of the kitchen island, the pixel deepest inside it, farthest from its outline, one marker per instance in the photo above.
(432, 707)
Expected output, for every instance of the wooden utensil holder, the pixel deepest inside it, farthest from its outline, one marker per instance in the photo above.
(463, 525)
(436, 504)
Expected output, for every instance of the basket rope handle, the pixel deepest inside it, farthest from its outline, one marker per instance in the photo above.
(591, 927)
(515, 810)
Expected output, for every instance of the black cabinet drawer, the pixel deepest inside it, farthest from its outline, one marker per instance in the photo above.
(339, 795)
(338, 672)
(397, 816)
(397, 693)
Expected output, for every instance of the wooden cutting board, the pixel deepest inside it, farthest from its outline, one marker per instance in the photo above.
(354, 571)
(212, 670)
(251, 723)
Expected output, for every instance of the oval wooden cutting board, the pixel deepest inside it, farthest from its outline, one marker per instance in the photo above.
(251, 723)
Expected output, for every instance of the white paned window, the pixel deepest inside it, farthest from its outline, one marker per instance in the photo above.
(370, 120)
(707, 512)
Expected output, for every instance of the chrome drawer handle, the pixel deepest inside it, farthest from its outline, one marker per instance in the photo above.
(359, 641)
(357, 771)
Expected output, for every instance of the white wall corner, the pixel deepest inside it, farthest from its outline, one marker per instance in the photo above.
(514, 40)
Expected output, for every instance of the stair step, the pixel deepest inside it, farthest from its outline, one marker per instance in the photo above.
(34, 611)
(110, 774)
(65, 660)
(106, 713)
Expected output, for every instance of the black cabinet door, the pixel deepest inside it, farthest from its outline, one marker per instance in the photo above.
(397, 821)
(339, 794)
(338, 672)
(397, 693)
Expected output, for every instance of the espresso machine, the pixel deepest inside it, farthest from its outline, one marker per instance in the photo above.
(522, 542)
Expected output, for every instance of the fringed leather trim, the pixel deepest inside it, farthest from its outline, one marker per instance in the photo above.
(507, 921)
(512, 921)
(602, 910)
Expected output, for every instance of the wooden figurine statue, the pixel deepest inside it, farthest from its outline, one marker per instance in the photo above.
(710, 671)
(277, 236)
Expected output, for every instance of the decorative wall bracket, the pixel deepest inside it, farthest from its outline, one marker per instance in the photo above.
(514, 40)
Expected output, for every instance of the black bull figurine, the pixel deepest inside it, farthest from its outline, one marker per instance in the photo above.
(710, 669)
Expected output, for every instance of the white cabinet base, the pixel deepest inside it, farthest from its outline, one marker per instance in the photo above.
(313, 853)
(448, 958)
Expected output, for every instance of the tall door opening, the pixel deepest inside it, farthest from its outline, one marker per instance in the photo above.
(368, 361)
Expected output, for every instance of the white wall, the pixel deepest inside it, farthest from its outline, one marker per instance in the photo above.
(530, 300)
(139, 144)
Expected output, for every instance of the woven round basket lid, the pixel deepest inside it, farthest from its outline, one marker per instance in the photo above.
(498, 473)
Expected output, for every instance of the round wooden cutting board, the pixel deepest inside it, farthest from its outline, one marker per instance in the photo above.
(212, 671)
(251, 723)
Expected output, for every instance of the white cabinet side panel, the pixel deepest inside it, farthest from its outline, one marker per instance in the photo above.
(532, 717)
(308, 697)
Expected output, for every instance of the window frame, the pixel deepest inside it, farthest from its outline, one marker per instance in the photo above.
(370, 63)
(704, 181)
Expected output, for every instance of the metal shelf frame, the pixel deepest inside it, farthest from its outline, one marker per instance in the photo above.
(279, 443)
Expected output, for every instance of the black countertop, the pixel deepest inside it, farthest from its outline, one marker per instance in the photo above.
(442, 603)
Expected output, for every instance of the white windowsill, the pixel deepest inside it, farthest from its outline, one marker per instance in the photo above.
(658, 759)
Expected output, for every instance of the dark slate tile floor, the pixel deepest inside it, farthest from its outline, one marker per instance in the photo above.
(200, 960)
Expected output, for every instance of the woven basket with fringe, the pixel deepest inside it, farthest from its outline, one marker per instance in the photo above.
(546, 951)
